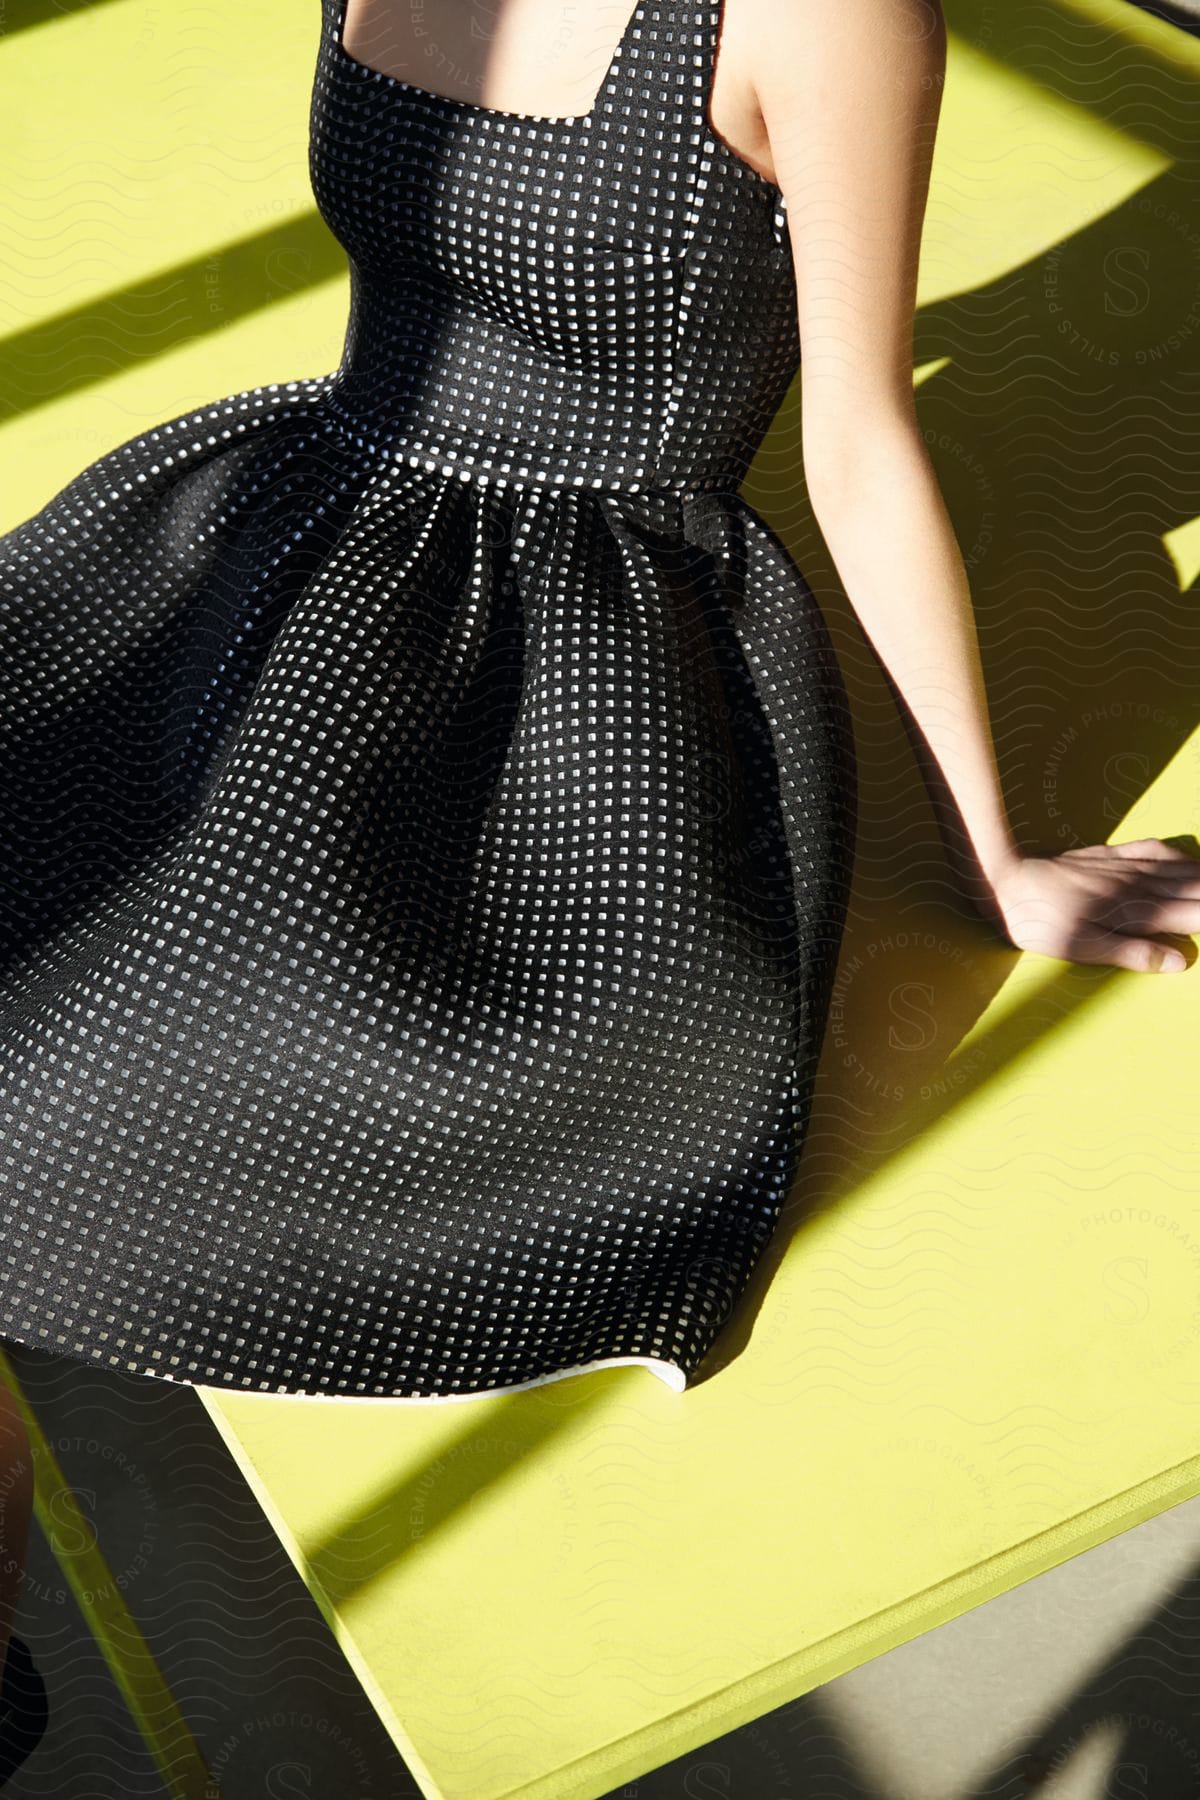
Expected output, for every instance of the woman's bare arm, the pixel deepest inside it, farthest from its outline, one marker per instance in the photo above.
(850, 94)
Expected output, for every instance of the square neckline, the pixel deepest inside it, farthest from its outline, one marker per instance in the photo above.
(572, 121)
(495, 112)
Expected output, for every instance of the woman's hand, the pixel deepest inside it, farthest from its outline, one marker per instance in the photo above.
(1103, 903)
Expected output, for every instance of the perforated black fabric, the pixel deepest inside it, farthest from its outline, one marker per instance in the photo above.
(429, 789)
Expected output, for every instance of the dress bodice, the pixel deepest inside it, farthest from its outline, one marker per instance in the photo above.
(604, 301)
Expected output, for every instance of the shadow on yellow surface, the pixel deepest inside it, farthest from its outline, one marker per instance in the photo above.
(90, 343)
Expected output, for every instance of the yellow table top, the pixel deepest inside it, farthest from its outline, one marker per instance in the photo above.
(980, 1358)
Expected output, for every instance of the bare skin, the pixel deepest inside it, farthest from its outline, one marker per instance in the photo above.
(850, 95)
(544, 58)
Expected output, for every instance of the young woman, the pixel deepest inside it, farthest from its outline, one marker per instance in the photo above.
(430, 786)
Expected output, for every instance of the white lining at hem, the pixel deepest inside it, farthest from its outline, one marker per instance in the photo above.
(668, 1372)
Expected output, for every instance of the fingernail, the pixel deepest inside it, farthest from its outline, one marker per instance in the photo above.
(1174, 959)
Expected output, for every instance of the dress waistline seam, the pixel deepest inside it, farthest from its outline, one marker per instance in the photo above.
(451, 464)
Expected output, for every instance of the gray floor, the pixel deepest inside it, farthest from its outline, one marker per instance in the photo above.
(1083, 1684)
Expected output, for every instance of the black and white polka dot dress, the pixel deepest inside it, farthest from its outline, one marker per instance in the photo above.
(428, 788)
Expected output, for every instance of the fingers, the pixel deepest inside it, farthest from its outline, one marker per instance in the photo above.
(1150, 892)
(1154, 912)
(1150, 850)
(1147, 957)
(1143, 955)
(1165, 862)
(1173, 881)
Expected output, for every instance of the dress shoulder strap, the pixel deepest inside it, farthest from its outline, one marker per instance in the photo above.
(662, 68)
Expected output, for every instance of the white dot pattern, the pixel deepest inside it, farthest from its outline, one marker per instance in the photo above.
(429, 791)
